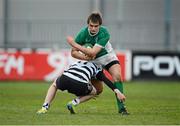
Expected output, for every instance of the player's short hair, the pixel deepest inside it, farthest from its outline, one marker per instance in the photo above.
(95, 17)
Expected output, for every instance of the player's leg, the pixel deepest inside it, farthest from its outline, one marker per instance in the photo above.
(48, 99)
(98, 85)
(115, 72)
(111, 63)
(87, 97)
(51, 93)
(80, 99)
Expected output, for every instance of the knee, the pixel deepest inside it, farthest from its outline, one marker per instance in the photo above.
(116, 77)
(115, 72)
(94, 91)
(98, 86)
(99, 91)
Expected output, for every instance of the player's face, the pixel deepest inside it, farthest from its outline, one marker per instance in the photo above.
(93, 27)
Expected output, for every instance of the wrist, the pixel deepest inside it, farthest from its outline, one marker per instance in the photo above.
(117, 91)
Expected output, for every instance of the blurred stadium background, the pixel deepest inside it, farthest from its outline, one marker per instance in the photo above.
(139, 26)
(134, 24)
(142, 27)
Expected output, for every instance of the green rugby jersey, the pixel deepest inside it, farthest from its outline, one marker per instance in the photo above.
(99, 39)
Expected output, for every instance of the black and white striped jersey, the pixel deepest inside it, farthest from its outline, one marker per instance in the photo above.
(82, 71)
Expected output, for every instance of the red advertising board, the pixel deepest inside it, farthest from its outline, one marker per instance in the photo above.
(46, 66)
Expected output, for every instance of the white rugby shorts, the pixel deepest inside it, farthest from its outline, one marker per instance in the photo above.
(105, 59)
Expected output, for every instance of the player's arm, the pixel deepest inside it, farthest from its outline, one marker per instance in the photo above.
(76, 54)
(92, 52)
(100, 76)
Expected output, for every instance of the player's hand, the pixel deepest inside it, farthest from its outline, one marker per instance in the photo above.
(119, 95)
(88, 58)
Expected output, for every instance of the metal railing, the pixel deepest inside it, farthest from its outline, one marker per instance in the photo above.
(133, 35)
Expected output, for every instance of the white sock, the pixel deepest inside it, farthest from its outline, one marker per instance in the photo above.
(75, 101)
(45, 105)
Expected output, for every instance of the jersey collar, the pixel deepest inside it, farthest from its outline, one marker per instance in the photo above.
(92, 34)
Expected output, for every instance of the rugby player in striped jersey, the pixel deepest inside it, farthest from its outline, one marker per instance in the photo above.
(77, 80)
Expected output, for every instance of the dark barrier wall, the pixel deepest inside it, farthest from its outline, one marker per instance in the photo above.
(156, 65)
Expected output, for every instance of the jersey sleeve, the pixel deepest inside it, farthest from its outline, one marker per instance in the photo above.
(100, 76)
(103, 38)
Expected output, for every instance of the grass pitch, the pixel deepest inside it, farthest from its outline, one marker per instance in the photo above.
(152, 103)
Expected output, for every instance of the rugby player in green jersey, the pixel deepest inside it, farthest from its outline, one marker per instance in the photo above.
(101, 53)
